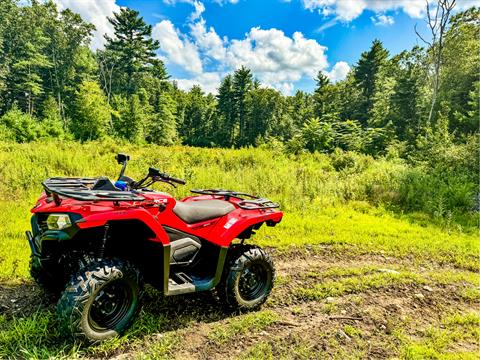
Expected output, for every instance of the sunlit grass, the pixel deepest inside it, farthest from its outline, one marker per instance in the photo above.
(242, 325)
(445, 342)
(346, 212)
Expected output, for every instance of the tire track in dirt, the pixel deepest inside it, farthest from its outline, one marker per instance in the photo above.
(317, 326)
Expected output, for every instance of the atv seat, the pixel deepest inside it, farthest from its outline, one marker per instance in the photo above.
(195, 211)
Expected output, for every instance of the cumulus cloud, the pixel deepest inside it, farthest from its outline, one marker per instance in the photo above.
(208, 41)
(176, 48)
(219, 2)
(208, 81)
(94, 12)
(276, 58)
(382, 20)
(348, 10)
(339, 71)
(199, 9)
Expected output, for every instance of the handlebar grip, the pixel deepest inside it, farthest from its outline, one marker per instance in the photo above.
(176, 180)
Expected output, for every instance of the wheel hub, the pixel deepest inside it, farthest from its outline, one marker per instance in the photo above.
(110, 306)
(253, 282)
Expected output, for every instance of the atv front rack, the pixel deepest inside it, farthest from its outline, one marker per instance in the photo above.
(251, 203)
(81, 189)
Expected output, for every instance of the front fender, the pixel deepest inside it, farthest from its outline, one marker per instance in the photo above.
(131, 214)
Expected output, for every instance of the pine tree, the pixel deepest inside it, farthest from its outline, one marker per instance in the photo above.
(408, 96)
(195, 126)
(264, 115)
(30, 59)
(460, 68)
(320, 94)
(301, 108)
(366, 72)
(241, 86)
(130, 117)
(132, 48)
(225, 129)
(69, 37)
(163, 128)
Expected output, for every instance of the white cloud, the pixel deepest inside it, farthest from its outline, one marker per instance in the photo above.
(348, 10)
(208, 41)
(221, 2)
(208, 81)
(328, 24)
(339, 71)
(95, 12)
(276, 58)
(177, 49)
(285, 88)
(382, 20)
(199, 9)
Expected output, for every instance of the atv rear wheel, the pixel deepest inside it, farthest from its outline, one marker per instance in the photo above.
(249, 278)
(100, 301)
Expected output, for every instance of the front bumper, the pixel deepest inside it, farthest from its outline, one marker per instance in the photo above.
(31, 242)
(40, 235)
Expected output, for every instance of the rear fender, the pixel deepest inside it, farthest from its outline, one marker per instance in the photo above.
(231, 226)
(138, 214)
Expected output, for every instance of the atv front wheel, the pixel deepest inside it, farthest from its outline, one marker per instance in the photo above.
(100, 301)
(248, 280)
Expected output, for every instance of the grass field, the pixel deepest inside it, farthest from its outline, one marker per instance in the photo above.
(358, 277)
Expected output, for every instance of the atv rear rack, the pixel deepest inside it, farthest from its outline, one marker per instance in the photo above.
(252, 203)
(81, 189)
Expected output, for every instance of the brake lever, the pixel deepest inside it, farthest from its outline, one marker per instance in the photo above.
(170, 183)
(159, 178)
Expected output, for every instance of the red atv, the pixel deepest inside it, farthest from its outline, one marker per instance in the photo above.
(99, 241)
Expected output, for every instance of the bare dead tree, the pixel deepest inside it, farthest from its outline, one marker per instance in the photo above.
(437, 20)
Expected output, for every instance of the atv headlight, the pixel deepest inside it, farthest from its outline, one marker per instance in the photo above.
(58, 221)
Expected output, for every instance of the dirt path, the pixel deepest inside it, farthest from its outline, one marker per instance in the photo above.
(365, 307)
(354, 324)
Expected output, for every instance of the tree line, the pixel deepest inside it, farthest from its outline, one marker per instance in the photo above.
(53, 86)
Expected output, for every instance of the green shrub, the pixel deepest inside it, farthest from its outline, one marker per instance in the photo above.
(18, 126)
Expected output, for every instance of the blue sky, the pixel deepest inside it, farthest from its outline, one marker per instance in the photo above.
(284, 42)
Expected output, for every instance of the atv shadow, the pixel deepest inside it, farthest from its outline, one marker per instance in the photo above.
(28, 327)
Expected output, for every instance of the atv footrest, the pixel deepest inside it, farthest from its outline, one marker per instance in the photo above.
(180, 284)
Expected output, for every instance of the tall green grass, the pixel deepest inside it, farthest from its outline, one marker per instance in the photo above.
(299, 182)
(337, 199)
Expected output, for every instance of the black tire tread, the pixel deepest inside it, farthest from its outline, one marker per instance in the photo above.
(78, 290)
(237, 257)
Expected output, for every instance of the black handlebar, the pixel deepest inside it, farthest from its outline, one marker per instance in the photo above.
(155, 173)
(177, 180)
